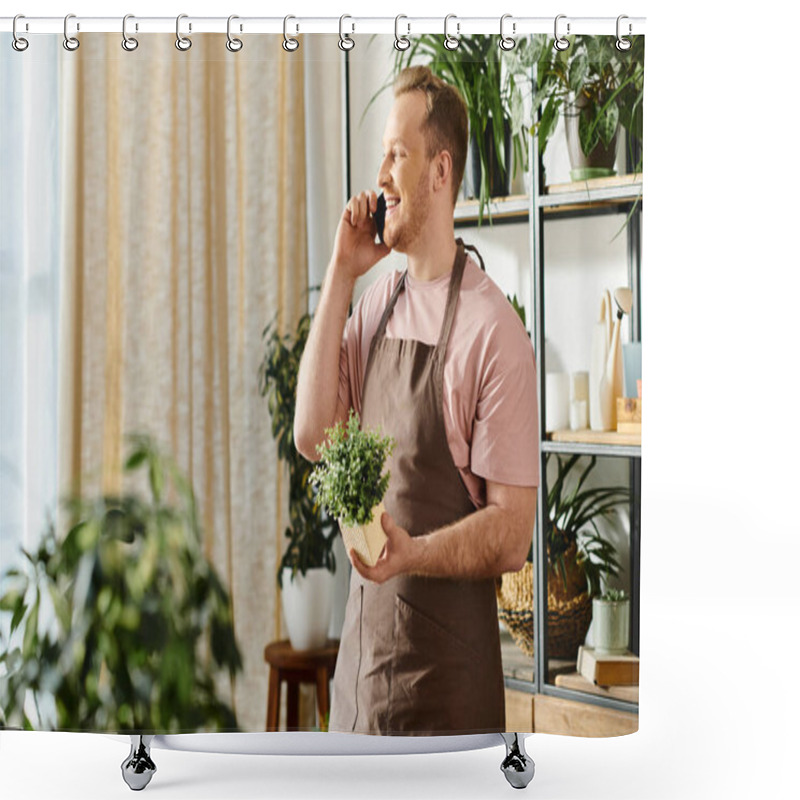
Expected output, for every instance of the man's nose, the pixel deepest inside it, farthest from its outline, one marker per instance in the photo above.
(383, 173)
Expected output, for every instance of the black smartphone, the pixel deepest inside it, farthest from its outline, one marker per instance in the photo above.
(380, 215)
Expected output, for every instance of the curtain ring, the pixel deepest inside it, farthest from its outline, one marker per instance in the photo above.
(401, 42)
(345, 42)
(507, 42)
(623, 44)
(450, 42)
(182, 42)
(560, 42)
(18, 43)
(289, 44)
(70, 42)
(233, 44)
(128, 42)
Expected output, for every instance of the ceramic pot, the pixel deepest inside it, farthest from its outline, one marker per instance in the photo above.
(498, 178)
(307, 606)
(611, 631)
(597, 164)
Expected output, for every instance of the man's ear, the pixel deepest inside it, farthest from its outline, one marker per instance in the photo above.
(443, 169)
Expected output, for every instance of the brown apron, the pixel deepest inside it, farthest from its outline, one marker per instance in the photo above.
(418, 655)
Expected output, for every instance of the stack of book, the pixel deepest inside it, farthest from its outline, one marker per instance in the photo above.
(602, 670)
(609, 676)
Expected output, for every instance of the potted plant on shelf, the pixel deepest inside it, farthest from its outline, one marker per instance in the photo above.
(597, 88)
(305, 573)
(578, 558)
(131, 604)
(498, 130)
(611, 618)
(352, 484)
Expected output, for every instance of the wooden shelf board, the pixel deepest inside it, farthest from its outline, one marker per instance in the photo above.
(586, 194)
(576, 681)
(613, 181)
(596, 437)
(513, 206)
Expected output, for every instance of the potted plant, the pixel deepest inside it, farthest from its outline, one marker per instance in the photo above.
(352, 484)
(498, 130)
(597, 88)
(305, 573)
(611, 619)
(125, 626)
(578, 557)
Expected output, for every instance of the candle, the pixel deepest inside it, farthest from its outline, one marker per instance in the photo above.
(556, 401)
(578, 415)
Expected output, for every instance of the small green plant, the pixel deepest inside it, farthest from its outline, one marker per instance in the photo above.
(614, 596)
(349, 473)
(125, 625)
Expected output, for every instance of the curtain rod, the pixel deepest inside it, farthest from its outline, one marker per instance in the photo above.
(407, 26)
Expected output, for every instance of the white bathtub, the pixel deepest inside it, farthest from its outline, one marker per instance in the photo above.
(138, 768)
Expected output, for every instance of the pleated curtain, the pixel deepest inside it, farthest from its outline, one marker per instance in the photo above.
(184, 235)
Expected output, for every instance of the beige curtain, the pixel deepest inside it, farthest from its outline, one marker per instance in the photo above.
(186, 234)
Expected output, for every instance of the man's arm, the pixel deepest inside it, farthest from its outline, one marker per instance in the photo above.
(484, 544)
(354, 253)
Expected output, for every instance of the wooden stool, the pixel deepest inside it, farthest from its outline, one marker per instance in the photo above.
(295, 667)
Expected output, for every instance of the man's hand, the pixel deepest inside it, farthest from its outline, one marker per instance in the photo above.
(355, 250)
(395, 558)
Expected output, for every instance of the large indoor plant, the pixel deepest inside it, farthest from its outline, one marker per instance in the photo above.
(596, 87)
(308, 561)
(498, 129)
(579, 559)
(125, 626)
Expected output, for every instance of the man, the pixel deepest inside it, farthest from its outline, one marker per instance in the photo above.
(438, 359)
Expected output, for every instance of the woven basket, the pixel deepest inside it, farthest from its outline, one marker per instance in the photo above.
(515, 606)
(567, 624)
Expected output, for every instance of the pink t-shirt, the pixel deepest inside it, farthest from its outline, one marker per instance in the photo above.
(490, 408)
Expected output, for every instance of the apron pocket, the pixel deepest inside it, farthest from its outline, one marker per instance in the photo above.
(433, 687)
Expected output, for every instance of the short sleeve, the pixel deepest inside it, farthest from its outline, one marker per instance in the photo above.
(505, 438)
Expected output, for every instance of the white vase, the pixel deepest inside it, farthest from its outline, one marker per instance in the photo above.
(307, 606)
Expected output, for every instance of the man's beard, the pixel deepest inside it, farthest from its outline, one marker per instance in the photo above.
(414, 217)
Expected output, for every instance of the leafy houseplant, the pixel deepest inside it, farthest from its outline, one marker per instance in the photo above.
(578, 557)
(141, 623)
(494, 100)
(351, 481)
(598, 86)
(310, 535)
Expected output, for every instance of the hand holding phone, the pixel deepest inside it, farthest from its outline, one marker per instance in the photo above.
(380, 216)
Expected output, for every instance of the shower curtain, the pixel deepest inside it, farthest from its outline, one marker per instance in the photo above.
(168, 218)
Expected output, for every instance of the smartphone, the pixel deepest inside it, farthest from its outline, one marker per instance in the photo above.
(380, 215)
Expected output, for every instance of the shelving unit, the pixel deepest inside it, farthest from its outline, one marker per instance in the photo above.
(622, 194)
(615, 195)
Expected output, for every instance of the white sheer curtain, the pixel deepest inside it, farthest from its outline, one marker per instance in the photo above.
(30, 235)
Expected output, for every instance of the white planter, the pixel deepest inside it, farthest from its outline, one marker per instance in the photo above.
(611, 626)
(307, 607)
